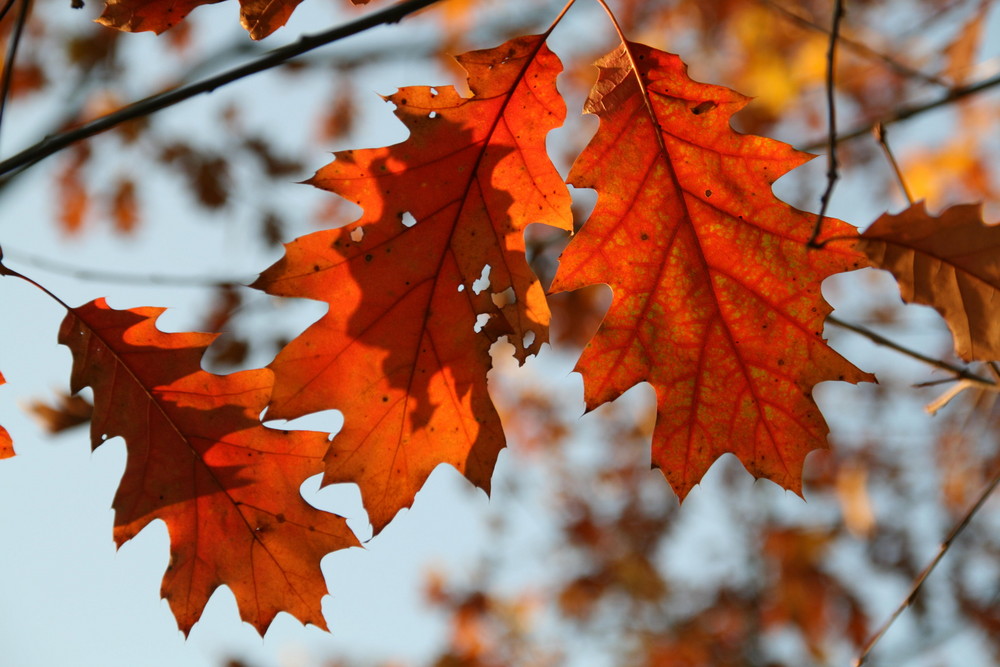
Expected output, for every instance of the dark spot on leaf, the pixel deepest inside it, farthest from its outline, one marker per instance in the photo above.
(368, 258)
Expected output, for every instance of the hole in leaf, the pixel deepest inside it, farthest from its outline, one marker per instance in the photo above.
(483, 281)
(433, 114)
(357, 234)
(481, 321)
(504, 298)
(461, 288)
(528, 340)
(407, 219)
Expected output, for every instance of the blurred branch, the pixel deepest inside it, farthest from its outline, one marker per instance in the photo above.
(831, 114)
(907, 112)
(883, 141)
(11, 58)
(124, 277)
(922, 577)
(879, 339)
(54, 144)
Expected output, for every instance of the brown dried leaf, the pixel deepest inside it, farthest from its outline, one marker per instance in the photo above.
(952, 263)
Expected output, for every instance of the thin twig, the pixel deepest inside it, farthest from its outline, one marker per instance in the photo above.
(149, 105)
(883, 140)
(831, 112)
(860, 47)
(11, 57)
(919, 582)
(879, 339)
(908, 112)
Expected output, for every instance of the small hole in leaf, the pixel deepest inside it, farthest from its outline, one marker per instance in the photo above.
(481, 321)
(357, 234)
(407, 219)
(461, 288)
(529, 339)
(483, 281)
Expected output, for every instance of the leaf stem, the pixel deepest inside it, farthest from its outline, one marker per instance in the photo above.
(6, 271)
(919, 581)
(831, 111)
(144, 107)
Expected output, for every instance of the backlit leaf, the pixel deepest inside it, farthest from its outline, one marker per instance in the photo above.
(399, 352)
(717, 299)
(199, 459)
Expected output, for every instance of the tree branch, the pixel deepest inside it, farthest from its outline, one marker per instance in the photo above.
(879, 339)
(907, 112)
(55, 143)
(831, 112)
(922, 577)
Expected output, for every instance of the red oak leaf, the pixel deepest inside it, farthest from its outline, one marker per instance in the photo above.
(399, 352)
(199, 459)
(717, 298)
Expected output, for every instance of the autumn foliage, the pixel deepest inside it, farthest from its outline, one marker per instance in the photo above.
(716, 302)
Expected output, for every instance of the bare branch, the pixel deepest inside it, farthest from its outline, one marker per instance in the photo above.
(879, 339)
(854, 45)
(919, 582)
(831, 111)
(907, 112)
(154, 103)
(11, 58)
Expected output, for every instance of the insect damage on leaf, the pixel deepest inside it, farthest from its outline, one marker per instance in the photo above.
(404, 348)
(952, 263)
(717, 299)
(199, 459)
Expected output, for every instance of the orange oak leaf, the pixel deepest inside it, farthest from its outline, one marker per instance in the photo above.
(717, 299)
(259, 17)
(399, 352)
(6, 444)
(199, 459)
(952, 263)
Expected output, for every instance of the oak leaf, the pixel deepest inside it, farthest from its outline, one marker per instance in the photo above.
(952, 263)
(717, 298)
(259, 17)
(6, 444)
(198, 458)
(398, 351)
